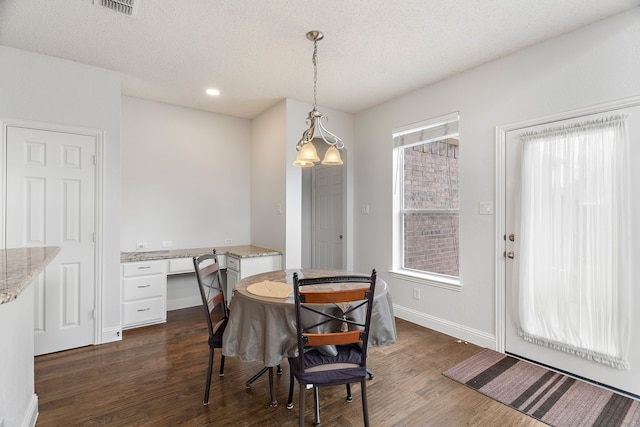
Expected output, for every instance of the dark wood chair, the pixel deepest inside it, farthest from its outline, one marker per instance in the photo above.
(215, 308)
(332, 324)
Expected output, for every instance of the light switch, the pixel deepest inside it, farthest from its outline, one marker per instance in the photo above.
(486, 208)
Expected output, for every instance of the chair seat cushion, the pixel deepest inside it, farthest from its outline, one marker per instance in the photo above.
(321, 369)
(218, 329)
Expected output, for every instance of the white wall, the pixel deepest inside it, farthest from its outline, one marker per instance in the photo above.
(49, 90)
(268, 176)
(596, 64)
(185, 177)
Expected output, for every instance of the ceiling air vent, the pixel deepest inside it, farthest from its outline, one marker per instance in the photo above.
(126, 7)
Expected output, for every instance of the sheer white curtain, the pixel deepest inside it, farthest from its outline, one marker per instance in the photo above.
(573, 257)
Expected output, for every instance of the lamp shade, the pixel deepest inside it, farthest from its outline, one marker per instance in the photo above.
(308, 153)
(332, 157)
(300, 162)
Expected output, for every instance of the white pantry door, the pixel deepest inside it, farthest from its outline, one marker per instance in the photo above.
(327, 218)
(624, 380)
(51, 202)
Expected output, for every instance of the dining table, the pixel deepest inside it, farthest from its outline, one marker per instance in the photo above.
(262, 328)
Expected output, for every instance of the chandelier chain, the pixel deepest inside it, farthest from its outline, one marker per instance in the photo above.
(315, 73)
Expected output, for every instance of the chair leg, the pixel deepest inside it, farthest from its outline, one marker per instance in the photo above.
(209, 369)
(349, 397)
(274, 402)
(302, 388)
(291, 384)
(279, 371)
(365, 406)
(221, 374)
(316, 400)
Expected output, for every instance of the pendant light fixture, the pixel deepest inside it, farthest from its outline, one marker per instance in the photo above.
(307, 154)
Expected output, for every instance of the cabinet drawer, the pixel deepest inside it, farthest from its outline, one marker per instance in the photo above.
(180, 265)
(233, 263)
(143, 311)
(143, 287)
(132, 269)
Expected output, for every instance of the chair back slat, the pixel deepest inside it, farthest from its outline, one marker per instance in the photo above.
(209, 270)
(335, 338)
(215, 301)
(337, 296)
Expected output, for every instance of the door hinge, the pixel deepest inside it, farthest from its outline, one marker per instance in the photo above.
(93, 314)
(95, 160)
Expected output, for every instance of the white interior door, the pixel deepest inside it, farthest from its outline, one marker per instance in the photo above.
(51, 202)
(327, 218)
(624, 380)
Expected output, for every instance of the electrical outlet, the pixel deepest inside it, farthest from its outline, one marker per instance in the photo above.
(416, 293)
(166, 243)
(228, 241)
(142, 245)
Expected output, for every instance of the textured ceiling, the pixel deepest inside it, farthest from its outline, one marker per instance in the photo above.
(255, 51)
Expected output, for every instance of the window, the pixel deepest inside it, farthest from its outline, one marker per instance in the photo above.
(426, 227)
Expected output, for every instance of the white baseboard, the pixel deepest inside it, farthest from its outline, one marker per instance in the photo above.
(178, 303)
(111, 335)
(31, 415)
(455, 330)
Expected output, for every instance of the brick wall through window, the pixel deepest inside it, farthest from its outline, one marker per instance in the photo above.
(431, 183)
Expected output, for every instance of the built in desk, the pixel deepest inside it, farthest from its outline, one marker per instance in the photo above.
(144, 276)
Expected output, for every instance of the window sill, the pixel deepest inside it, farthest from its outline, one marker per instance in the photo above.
(428, 279)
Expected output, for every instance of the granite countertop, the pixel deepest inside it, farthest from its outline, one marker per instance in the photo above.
(242, 251)
(18, 267)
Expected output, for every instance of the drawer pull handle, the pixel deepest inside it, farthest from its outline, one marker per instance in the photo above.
(144, 286)
(144, 267)
(144, 309)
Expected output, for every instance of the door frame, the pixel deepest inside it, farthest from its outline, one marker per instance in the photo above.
(98, 208)
(500, 191)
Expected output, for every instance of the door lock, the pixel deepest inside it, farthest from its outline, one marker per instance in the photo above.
(509, 254)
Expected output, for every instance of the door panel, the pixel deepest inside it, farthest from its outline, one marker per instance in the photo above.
(625, 380)
(51, 202)
(327, 220)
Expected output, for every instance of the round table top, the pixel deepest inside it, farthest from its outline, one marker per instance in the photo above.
(286, 276)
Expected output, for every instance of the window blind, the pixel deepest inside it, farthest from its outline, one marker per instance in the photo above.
(435, 129)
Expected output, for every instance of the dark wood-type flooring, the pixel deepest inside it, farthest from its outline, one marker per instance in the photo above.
(155, 377)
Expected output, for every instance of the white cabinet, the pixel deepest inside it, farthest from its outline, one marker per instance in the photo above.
(239, 268)
(232, 279)
(144, 290)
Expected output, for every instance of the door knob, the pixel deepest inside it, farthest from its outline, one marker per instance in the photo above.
(509, 254)
(512, 237)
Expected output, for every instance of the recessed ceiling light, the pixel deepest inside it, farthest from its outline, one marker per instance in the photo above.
(213, 92)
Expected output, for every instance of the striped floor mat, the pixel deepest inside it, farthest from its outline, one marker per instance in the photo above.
(552, 398)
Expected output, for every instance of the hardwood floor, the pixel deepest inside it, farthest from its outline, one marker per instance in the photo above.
(155, 377)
